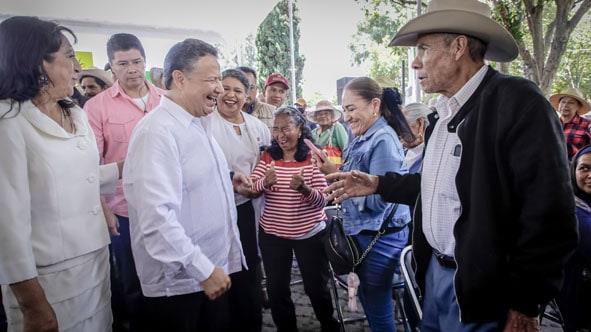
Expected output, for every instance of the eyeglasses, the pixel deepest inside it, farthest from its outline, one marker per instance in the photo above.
(283, 130)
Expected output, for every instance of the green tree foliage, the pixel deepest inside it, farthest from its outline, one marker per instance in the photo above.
(272, 43)
(382, 18)
(542, 29)
(575, 68)
(552, 48)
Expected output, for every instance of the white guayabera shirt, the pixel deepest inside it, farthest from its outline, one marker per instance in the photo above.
(181, 203)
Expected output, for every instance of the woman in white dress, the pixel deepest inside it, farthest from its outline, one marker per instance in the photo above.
(54, 266)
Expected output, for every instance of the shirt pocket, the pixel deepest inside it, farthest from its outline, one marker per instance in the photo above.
(120, 129)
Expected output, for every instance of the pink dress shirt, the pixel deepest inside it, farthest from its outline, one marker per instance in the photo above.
(113, 115)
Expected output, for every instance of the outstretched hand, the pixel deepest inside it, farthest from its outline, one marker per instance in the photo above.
(243, 185)
(350, 184)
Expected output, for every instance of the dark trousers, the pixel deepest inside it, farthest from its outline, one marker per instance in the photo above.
(277, 258)
(186, 313)
(126, 293)
(244, 297)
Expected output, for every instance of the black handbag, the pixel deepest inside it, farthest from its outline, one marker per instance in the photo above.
(343, 251)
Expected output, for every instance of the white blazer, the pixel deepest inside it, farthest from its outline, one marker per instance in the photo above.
(50, 184)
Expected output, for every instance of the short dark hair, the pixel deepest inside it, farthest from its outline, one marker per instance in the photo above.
(123, 42)
(98, 81)
(476, 47)
(248, 70)
(302, 149)
(183, 55)
(237, 74)
(26, 42)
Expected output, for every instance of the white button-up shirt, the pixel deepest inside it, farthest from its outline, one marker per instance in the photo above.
(181, 203)
(440, 201)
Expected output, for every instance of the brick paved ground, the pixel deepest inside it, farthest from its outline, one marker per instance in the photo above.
(307, 321)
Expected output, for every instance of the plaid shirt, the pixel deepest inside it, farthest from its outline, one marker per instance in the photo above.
(577, 134)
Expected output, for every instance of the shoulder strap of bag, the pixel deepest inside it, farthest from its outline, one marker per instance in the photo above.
(377, 236)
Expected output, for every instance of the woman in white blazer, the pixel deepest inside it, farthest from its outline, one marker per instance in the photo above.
(54, 266)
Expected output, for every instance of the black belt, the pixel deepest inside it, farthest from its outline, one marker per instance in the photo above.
(388, 230)
(444, 260)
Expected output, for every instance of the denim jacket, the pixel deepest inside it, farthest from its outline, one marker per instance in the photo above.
(376, 152)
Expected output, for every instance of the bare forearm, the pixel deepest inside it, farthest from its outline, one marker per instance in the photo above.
(28, 293)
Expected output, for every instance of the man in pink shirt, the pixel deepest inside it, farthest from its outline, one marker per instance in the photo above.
(112, 115)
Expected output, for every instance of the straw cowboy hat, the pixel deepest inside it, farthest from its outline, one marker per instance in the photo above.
(97, 73)
(324, 105)
(573, 93)
(466, 17)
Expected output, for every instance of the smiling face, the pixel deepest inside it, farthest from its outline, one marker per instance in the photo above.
(568, 108)
(286, 133)
(323, 117)
(61, 71)
(129, 67)
(201, 87)
(435, 65)
(360, 113)
(233, 97)
(583, 173)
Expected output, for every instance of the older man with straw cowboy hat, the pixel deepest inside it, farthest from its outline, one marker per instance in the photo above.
(94, 81)
(494, 222)
(570, 105)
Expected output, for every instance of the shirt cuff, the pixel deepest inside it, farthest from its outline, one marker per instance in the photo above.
(108, 174)
(201, 267)
(19, 269)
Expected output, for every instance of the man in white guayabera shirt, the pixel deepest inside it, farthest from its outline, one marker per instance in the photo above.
(181, 200)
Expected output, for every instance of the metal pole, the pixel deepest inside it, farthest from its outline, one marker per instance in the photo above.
(292, 51)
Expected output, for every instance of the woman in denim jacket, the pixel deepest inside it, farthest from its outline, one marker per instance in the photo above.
(376, 120)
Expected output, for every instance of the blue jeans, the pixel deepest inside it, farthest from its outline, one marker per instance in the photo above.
(375, 276)
(126, 293)
(440, 308)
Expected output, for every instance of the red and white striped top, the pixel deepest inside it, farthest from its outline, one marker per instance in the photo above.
(288, 213)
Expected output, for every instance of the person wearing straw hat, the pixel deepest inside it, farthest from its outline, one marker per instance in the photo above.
(94, 81)
(494, 222)
(570, 105)
(330, 134)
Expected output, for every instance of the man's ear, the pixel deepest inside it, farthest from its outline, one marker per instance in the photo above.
(460, 46)
(178, 78)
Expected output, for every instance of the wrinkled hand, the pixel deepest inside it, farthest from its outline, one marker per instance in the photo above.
(350, 184)
(270, 176)
(298, 183)
(518, 322)
(323, 164)
(111, 219)
(217, 284)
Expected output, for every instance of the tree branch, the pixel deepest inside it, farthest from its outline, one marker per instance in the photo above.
(583, 8)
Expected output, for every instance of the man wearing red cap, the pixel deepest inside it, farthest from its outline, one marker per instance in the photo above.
(275, 92)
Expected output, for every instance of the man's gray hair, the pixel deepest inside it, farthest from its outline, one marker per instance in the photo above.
(414, 111)
(183, 55)
(476, 47)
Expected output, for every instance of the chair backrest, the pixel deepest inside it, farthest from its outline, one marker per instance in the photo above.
(411, 287)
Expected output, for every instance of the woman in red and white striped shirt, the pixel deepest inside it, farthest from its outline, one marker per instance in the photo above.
(293, 221)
